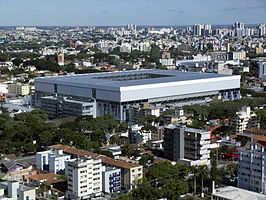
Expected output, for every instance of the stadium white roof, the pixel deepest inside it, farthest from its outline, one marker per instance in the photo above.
(130, 78)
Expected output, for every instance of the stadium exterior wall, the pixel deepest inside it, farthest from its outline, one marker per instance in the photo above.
(115, 99)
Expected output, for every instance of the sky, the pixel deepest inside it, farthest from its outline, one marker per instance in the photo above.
(123, 12)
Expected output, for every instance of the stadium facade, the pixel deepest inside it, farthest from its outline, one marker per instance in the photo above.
(113, 93)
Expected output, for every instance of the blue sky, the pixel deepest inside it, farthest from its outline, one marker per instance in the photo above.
(122, 12)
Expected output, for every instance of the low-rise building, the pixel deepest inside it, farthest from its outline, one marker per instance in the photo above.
(12, 190)
(139, 135)
(18, 169)
(38, 179)
(114, 149)
(233, 193)
(254, 131)
(178, 118)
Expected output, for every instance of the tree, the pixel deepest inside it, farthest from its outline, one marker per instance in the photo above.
(262, 117)
(209, 46)
(46, 138)
(29, 147)
(232, 169)
(123, 127)
(163, 181)
(107, 153)
(98, 135)
(155, 53)
(150, 119)
(214, 171)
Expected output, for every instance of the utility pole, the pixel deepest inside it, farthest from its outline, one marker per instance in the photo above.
(217, 156)
(195, 185)
(202, 194)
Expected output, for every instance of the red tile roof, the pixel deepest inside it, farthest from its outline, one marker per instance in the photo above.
(106, 160)
(253, 130)
(260, 138)
(48, 176)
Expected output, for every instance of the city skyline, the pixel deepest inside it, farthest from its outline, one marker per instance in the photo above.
(118, 12)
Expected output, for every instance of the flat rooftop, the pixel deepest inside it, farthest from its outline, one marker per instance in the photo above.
(129, 78)
(235, 193)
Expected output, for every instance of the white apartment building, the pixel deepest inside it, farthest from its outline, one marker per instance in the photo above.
(19, 89)
(252, 168)
(144, 47)
(126, 48)
(262, 71)
(84, 178)
(131, 173)
(167, 61)
(244, 119)
(197, 145)
(237, 55)
(3, 88)
(262, 29)
(52, 160)
(202, 29)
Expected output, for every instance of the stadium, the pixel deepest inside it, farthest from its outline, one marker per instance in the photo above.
(113, 92)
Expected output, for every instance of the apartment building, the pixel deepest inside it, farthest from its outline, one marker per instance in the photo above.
(262, 71)
(19, 89)
(136, 113)
(52, 161)
(84, 178)
(187, 145)
(252, 168)
(197, 144)
(244, 119)
(237, 55)
(111, 182)
(131, 173)
(174, 143)
(158, 135)
(65, 107)
(202, 29)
